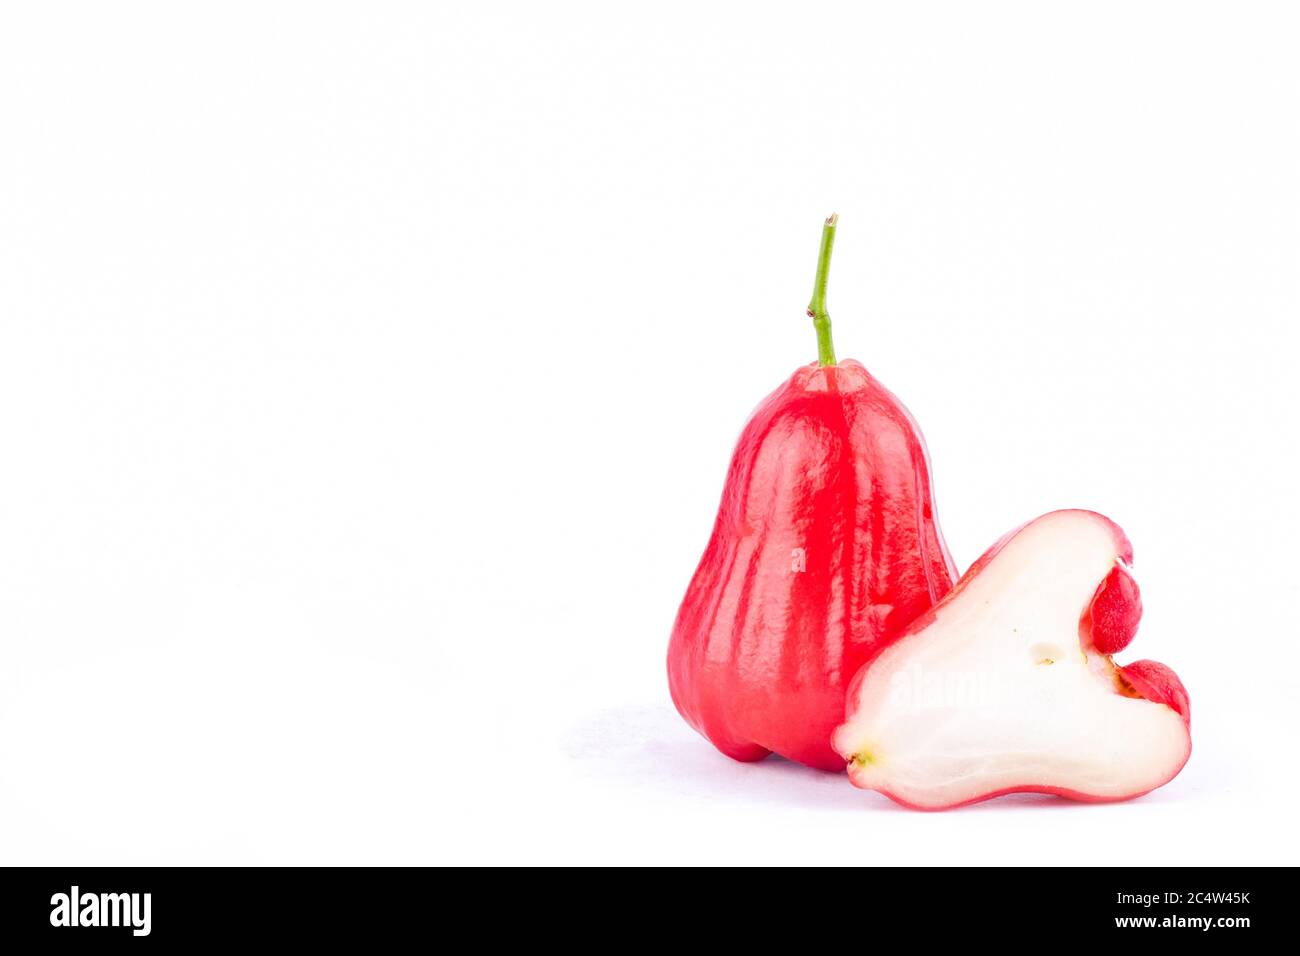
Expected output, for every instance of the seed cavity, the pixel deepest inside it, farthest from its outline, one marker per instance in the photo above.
(1045, 654)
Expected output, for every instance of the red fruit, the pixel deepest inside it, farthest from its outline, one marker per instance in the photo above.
(1002, 687)
(825, 548)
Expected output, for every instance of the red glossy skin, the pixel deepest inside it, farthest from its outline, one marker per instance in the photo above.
(825, 549)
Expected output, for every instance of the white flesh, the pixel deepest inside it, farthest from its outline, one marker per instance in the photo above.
(997, 694)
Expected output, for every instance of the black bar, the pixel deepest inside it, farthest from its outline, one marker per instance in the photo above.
(377, 906)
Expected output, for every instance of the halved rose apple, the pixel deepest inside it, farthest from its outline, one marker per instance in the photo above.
(1008, 685)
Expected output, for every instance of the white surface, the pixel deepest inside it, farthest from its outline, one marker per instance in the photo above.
(368, 379)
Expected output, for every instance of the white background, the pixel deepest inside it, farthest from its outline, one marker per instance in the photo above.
(369, 372)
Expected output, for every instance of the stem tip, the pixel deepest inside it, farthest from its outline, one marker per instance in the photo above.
(817, 307)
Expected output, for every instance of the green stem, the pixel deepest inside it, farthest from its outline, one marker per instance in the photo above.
(817, 307)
